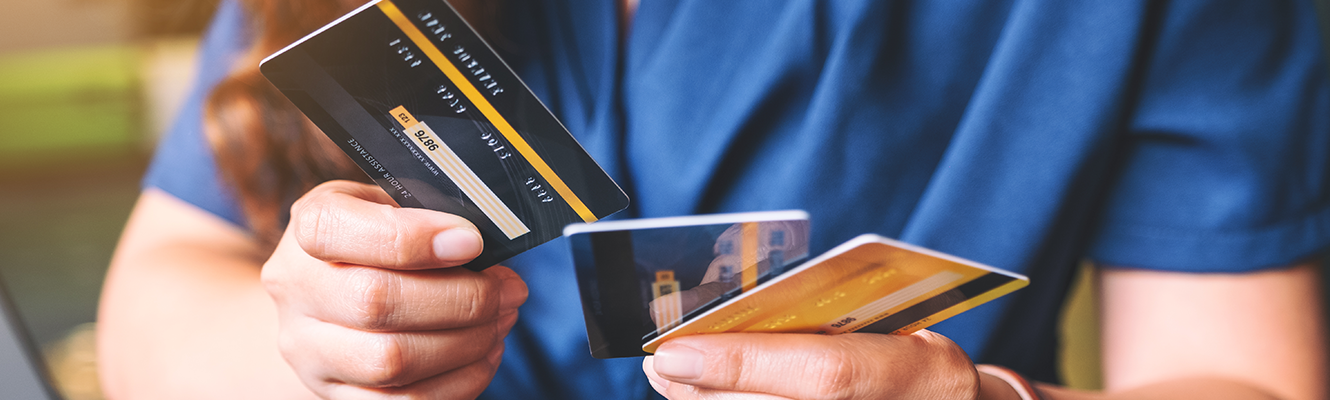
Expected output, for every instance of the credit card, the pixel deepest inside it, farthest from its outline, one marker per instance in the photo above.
(411, 93)
(642, 278)
(868, 284)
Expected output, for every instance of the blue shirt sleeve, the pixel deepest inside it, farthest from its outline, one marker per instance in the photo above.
(1226, 166)
(183, 164)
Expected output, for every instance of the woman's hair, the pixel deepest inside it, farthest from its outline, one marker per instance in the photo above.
(264, 147)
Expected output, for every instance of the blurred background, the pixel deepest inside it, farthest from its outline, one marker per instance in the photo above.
(86, 88)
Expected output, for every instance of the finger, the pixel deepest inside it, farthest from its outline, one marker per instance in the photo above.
(348, 222)
(679, 391)
(816, 366)
(462, 383)
(335, 354)
(682, 392)
(373, 299)
(661, 385)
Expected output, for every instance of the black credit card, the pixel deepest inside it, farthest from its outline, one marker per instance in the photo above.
(435, 117)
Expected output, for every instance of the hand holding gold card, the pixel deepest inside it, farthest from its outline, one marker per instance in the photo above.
(746, 273)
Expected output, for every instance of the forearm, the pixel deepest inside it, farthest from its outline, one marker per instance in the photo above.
(210, 332)
(186, 317)
(1191, 388)
(1176, 335)
(994, 388)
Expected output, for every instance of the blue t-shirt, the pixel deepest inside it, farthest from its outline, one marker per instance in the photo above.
(1028, 135)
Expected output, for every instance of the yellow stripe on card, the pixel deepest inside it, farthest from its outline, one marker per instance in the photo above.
(748, 252)
(478, 100)
(962, 307)
(466, 179)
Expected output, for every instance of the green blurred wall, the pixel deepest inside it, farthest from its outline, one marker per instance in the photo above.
(81, 100)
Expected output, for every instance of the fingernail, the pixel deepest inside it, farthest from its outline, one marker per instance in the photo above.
(458, 244)
(514, 293)
(653, 377)
(679, 362)
(661, 386)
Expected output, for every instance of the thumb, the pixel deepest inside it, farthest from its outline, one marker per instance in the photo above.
(812, 366)
(788, 365)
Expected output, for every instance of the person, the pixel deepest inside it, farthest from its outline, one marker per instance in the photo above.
(1181, 146)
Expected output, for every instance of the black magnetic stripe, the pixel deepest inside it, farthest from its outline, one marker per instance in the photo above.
(942, 301)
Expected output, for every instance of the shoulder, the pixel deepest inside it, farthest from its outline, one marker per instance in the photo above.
(183, 164)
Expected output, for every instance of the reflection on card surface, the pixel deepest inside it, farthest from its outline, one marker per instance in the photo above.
(743, 254)
(642, 278)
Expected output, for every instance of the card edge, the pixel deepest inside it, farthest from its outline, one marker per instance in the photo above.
(316, 32)
(685, 220)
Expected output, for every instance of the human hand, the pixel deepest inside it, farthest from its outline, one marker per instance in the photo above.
(924, 365)
(369, 308)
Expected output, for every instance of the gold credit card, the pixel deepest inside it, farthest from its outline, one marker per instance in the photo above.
(868, 284)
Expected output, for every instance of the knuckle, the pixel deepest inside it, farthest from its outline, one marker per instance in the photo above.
(398, 245)
(281, 281)
(735, 367)
(386, 363)
(310, 218)
(277, 289)
(374, 303)
(477, 377)
(477, 299)
(402, 240)
(952, 359)
(287, 343)
(272, 279)
(948, 353)
(957, 358)
(832, 375)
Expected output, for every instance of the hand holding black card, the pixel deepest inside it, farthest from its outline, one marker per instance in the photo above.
(430, 112)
